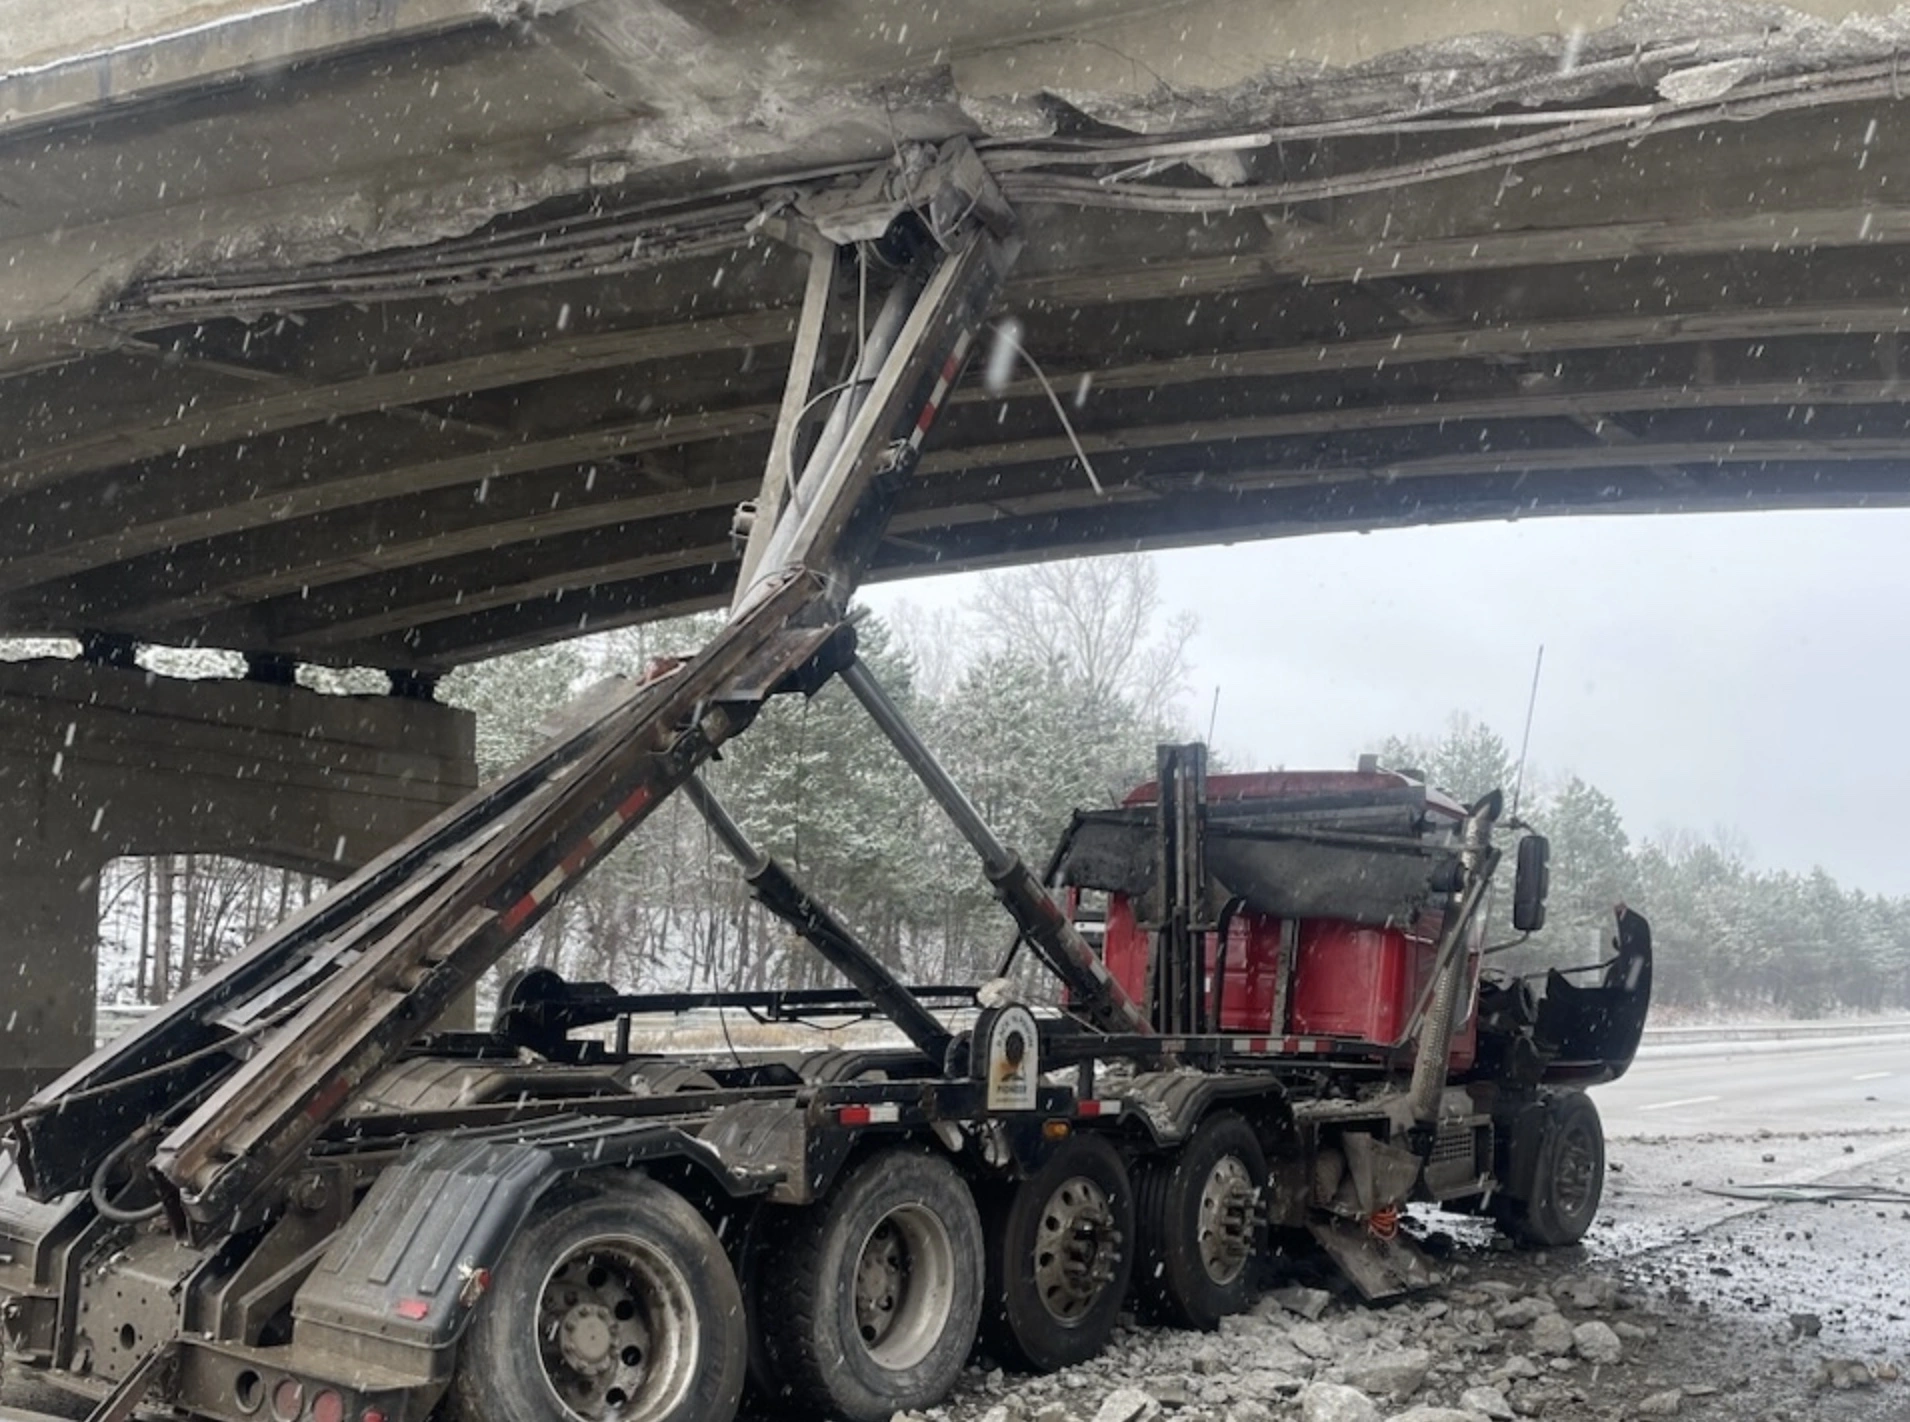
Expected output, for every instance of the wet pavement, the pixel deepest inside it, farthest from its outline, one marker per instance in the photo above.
(1852, 1083)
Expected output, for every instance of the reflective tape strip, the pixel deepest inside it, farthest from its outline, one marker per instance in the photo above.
(577, 858)
(1284, 1046)
(868, 1115)
(950, 369)
(1098, 1108)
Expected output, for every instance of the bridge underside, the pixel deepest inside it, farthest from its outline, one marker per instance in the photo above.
(414, 346)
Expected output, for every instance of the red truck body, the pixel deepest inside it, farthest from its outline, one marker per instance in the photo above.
(1350, 982)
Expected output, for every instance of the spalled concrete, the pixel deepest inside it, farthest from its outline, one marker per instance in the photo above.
(402, 334)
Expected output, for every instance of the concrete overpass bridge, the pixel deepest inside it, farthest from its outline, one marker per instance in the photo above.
(399, 333)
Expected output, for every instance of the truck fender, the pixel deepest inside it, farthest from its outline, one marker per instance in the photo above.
(1170, 1104)
(401, 1278)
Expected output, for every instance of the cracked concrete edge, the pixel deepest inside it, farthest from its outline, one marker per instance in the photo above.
(1197, 63)
(70, 72)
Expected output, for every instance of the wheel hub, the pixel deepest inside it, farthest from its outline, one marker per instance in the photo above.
(904, 1285)
(1077, 1249)
(880, 1279)
(588, 1336)
(1225, 1226)
(594, 1335)
(1574, 1169)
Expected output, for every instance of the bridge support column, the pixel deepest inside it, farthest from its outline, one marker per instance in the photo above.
(49, 938)
(100, 761)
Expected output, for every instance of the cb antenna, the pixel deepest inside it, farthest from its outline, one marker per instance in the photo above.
(1525, 740)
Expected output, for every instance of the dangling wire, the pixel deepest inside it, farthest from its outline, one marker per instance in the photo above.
(1003, 332)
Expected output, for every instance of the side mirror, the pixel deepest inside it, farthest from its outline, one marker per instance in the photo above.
(1530, 885)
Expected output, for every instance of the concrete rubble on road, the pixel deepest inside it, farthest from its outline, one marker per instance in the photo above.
(1478, 1351)
(1631, 1329)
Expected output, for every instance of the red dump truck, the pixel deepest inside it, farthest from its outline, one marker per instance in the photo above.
(287, 1197)
(543, 1222)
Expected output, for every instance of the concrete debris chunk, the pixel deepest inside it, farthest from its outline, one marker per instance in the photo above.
(1398, 1375)
(1522, 1313)
(1425, 1412)
(1126, 1404)
(1588, 1291)
(1308, 1303)
(1169, 1392)
(1488, 1402)
(1662, 1404)
(1552, 1335)
(1355, 1328)
(1335, 1402)
(1282, 1356)
(1596, 1343)
(1531, 1399)
(1312, 1340)
(1843, 1374)
(1270, 1382)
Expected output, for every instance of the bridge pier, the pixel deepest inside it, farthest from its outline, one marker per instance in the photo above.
(99, 761)
(49, 927)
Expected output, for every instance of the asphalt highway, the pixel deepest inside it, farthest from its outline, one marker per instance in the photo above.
(1843, 1084)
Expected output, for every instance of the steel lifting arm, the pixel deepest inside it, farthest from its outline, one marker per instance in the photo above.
(1097, 996)
(1477, 859)
(268, 1051)
(777, 891)
(259, 1119)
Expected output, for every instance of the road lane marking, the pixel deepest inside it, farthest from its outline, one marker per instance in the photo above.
(1870, 1076)
(1682, 1101)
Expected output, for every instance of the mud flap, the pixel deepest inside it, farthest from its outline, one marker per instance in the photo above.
(1379, 1268)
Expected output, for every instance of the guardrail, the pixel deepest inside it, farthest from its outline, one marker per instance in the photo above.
(1776, 1031)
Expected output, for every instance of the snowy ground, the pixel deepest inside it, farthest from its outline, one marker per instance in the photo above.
(1680, 1304)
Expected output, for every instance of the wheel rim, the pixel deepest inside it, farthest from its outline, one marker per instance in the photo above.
(1225, 1225)
(616, 1331)
(904, 1286)
(1574, 1171)
(1077, 1249)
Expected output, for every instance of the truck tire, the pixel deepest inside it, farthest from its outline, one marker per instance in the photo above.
(1568, 1177)
(871, 1302)
(1060, 1255)
(619, 1305)
(1199, 1213)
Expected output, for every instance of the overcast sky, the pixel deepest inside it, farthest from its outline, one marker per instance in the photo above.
(1746, 673)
